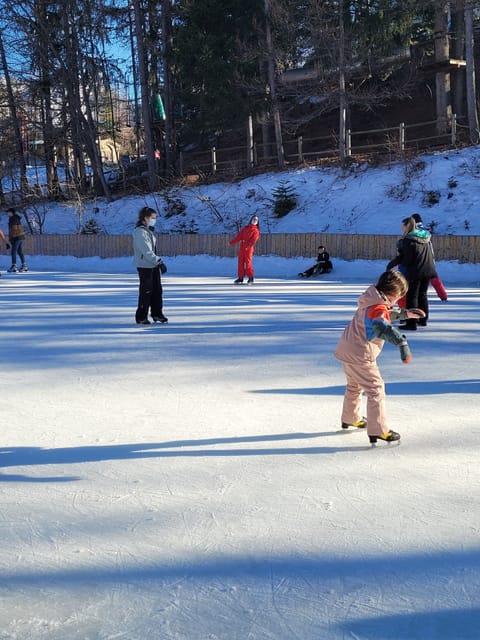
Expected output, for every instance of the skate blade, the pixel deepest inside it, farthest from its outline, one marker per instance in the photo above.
(382, 443)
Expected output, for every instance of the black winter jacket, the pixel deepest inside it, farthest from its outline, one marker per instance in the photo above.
(416, 257)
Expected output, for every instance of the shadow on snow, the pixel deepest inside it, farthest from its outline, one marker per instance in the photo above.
(32, 456)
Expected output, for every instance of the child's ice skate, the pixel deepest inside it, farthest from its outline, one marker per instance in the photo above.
(390, 436)
(360, 424)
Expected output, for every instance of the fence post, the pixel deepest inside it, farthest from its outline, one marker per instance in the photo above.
(454, 128)
(401, 133)
(348, 143)
(180, 162)
(300, 148)
(214, 160)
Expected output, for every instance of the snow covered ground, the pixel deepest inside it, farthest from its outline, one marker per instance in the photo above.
(443, 187)
(188, 481)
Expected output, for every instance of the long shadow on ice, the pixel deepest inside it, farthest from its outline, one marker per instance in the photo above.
(322, 596)
(30, 456)
(418, 388)
(44, 479)
(450, 624)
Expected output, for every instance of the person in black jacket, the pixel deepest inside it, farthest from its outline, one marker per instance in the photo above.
(415, 260)
(322, 265)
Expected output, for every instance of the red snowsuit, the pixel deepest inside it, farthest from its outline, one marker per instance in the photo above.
(247, 237)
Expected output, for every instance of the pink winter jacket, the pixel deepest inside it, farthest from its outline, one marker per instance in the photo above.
(358, 343)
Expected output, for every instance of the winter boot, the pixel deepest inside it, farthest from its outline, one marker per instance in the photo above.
(23, 268)
(410, 325)
(390, 436)
(13, 269)
(360, 424)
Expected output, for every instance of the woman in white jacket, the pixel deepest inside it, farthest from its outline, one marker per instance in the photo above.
(149, 265)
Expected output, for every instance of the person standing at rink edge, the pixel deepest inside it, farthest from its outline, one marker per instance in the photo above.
(149, 265)
(247, 237)
(16, 235)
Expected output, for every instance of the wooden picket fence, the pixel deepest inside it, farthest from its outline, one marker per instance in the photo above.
(288, 245)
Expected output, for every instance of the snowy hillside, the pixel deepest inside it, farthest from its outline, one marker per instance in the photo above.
(444, 188)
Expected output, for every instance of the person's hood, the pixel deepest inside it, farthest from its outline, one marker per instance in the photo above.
(419, 235)
(370, 297)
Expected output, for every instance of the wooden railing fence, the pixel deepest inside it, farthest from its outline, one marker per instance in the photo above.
(391, 142)
(288, 245)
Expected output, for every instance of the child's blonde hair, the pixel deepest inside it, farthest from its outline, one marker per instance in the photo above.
(392, 283)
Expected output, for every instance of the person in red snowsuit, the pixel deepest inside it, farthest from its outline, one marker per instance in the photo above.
(247, 237)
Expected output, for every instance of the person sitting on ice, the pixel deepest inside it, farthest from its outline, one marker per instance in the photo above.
(322, 265)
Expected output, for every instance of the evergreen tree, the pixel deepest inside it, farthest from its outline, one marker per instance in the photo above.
(209, 39)
(284, 199)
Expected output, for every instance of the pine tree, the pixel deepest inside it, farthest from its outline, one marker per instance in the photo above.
(284, 199)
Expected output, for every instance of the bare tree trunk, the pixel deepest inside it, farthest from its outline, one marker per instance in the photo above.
(145, 95)
(84, 131)
(458, 45)
(342, 97)
(470, 71)
(170, 143)
(20, 151)
(42, 48)
(273, 89)
(53, 184)
(135, 82)
(69, 79)
(264, 116)
(442, 78)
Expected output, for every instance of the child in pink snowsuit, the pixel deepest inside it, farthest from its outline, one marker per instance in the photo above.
(247, 237)
(358, 349)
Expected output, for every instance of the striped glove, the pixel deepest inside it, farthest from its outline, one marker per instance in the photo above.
(405, 353)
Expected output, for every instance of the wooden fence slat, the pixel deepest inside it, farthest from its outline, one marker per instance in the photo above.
(345, 246)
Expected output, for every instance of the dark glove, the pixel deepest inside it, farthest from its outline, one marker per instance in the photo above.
(7, 246)
(405, 353)
(162, 266)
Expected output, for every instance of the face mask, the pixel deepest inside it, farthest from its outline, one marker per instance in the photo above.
(152, 222)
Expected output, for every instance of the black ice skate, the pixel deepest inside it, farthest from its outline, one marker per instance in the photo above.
(360, 424)
(390, 436)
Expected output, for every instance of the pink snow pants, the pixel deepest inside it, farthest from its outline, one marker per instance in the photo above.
(365, 378)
